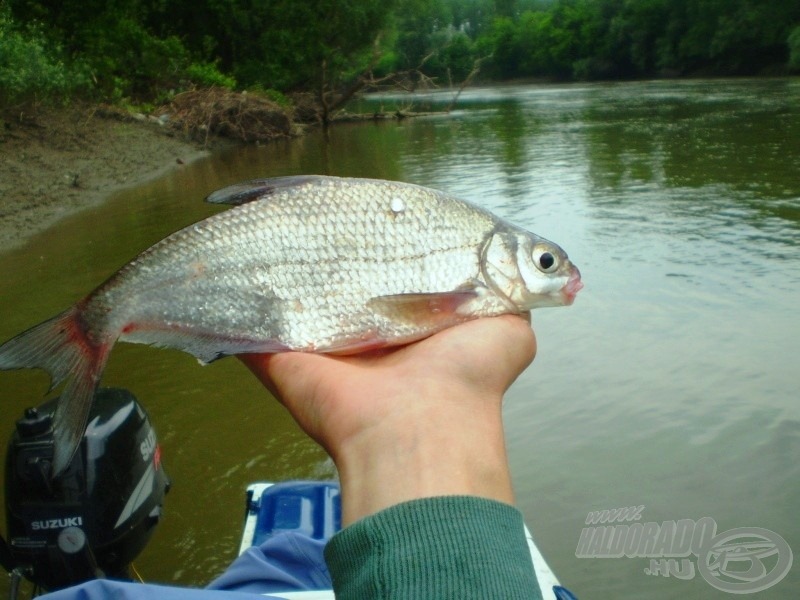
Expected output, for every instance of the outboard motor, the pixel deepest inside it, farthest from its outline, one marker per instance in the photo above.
(93, 519)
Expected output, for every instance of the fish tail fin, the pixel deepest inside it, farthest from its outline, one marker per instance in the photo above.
(62, 347)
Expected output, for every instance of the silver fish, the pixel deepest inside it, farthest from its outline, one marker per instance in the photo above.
(308, 263)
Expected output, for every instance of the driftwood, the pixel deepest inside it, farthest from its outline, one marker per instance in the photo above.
(251, 117)
(380, 115)
(239, 115)
(410, 80)
(332, 99)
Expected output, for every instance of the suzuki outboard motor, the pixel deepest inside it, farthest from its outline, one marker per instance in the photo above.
(94, 518)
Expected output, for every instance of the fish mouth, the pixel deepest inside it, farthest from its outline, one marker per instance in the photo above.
(572, 287)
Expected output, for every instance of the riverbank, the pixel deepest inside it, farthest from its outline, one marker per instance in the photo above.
(55, 161)
(59, 160)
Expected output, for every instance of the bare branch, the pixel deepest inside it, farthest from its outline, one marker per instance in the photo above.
(476, 67)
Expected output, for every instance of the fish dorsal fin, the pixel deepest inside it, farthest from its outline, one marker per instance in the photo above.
(422, 308)
(247, 191)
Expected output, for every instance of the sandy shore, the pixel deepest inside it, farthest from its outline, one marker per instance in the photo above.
(58, 161)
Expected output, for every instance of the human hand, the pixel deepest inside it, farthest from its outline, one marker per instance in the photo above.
(415, 421)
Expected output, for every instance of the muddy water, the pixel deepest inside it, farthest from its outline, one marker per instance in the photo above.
(672, 383)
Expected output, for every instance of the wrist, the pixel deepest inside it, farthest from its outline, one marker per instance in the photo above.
(415, 453)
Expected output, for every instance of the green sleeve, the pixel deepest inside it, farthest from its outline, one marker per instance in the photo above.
(458, 547)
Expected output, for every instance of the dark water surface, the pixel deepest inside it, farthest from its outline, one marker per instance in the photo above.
(673, 383)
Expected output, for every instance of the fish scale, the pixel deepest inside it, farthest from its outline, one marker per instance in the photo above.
(313, 264)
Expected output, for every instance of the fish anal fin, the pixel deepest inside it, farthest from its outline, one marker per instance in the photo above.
(248, 191)
(423, 308)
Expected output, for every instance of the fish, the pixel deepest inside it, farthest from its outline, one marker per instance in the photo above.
(303, 263)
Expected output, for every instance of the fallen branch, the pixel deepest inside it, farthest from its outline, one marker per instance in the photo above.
(476, 67)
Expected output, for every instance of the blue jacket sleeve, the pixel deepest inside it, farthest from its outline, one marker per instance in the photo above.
(103, 589)
(286, 562)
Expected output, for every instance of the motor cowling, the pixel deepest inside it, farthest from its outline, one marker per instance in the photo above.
(93, 519)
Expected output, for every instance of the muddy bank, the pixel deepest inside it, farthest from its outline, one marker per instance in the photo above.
(56, 161)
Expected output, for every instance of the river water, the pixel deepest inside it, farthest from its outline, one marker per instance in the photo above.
(673, 383)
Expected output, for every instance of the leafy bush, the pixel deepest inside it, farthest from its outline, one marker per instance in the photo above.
(208, 75)
(33, 69)
(128, 61)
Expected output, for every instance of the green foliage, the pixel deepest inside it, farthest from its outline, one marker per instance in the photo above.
(282, 44)
(503, 41)
(458, 57)
(586, 39)
(794, 49)
(275, 96)
(135, 63)
(207, 74)
(34, 69)
(422, 32)
(110, 38)
(143, 50)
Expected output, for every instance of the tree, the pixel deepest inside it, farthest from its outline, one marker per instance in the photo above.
(503, 42)
(33, 68)
(794, 48)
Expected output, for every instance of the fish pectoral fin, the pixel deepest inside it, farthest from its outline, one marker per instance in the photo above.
(248, 191)
(422, 307)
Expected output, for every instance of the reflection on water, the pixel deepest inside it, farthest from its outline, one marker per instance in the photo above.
(671, 383)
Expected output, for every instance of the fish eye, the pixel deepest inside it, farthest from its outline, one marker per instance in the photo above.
(545, 261)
